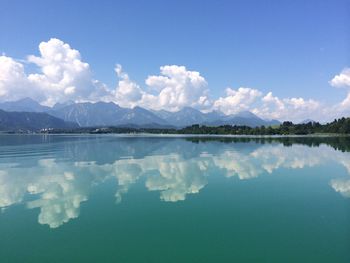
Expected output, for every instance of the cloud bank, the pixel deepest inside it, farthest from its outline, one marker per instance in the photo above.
(61, 75)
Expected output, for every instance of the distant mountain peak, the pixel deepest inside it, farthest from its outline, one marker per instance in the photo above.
(188, 109)
(217, 112)
(27, 100)
(25, 105)
(138, 108)
(31, 121)
(246, 114)
(59, 105)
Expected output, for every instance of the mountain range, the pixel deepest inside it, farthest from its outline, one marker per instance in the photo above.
(31, 121)
(87, 114)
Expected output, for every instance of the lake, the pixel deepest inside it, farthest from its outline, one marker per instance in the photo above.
(113, 198)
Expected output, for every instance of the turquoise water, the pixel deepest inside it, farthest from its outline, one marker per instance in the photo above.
(161, 199)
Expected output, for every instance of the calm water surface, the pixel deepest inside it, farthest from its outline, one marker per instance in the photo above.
(156, 199)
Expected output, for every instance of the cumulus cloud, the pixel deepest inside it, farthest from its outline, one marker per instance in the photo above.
(174, 89)
(13, 80)
(179, 87)
(297, 109)
(237, 100)
(267, 106)
(61, 74)
(127, 93)
(342, 79)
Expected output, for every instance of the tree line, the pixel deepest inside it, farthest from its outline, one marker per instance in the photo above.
(338, 126)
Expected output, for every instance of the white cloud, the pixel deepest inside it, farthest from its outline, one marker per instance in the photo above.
(174, 89)
(179, 87)
(342, 79)
(267, 106)
(62, 75)
(127, 93)
(13, 80)
(237, 100)
(295, 109)
(345, 104)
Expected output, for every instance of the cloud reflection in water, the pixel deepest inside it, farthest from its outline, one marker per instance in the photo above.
(58, 187)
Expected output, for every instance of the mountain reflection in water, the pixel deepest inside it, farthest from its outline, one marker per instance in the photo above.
(58, 173)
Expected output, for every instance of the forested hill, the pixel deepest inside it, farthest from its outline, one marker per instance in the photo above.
(31, 122)
(339, 126)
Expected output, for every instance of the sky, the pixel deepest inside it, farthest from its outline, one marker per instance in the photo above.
(286, 60)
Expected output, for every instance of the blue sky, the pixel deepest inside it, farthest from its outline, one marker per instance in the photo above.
(290, 48)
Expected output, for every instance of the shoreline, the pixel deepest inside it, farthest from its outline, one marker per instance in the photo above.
(319, 135)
